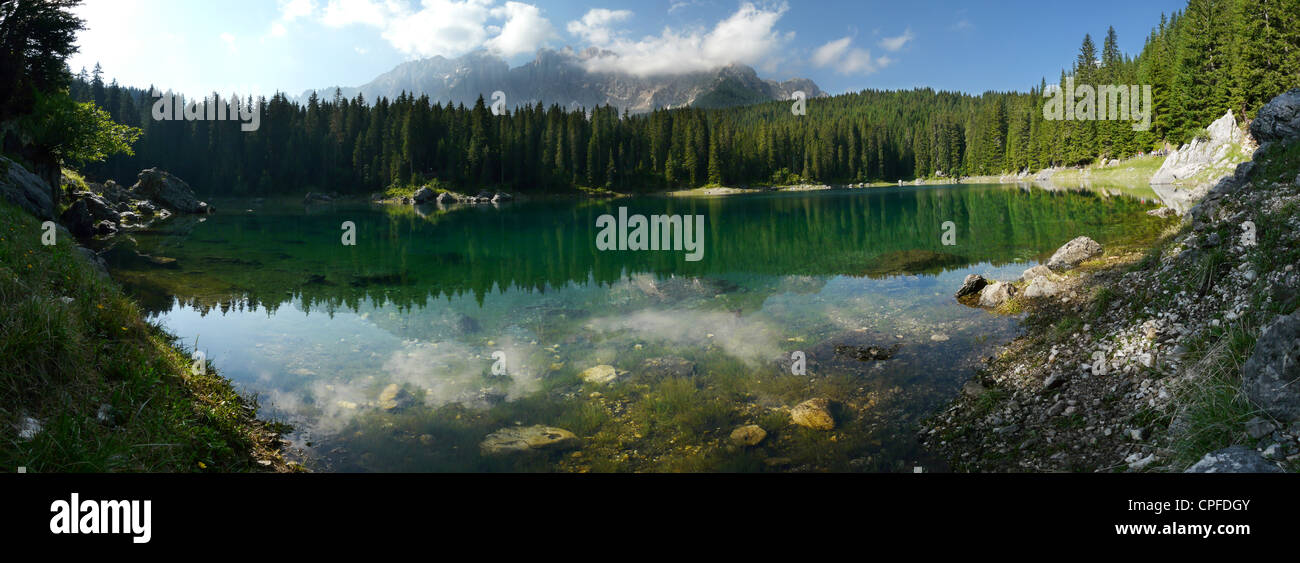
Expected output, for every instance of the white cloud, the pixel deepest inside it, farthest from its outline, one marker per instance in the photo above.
(594, 25)
(524, 31)
(293, 9)
(278, 30)
(846, 59)
(448, 28)
(747, 37)
(229, 40)
(441, 27)
(896, 43)
(340, 13)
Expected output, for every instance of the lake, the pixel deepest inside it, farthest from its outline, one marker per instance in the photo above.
(441, 326)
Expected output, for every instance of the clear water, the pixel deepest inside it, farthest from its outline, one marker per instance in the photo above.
(318, 330)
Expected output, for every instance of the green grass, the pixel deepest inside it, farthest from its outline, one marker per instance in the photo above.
(1102, 299)
(60, 361)
(1127, 173)
(1281, 164)
(408, 190)
(1213, 409)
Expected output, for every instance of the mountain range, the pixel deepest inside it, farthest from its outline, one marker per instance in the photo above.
(560, 77)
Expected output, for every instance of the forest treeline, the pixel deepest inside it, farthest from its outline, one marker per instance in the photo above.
(1214, 56)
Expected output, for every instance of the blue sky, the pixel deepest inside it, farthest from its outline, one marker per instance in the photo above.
(260, 46)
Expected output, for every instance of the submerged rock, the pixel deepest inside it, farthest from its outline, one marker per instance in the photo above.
(869, 353)
(600, 374)
(1271, 377)
(528, 439)
(666, 367)
(395, 398)
(1074, 252)
(748, 435)
(814, 413)
(1234, 459)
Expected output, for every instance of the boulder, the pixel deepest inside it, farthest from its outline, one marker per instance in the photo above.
(395, 398)
(112, 192)
(106, 228)
(1039, 271)
(1073, 252)
(98, 263)
(1234, 459)
(996, 293)
(1041, 287)
(100, 209)
(971, 285)
(748, 435)
(424, 195)
(78, 219)
(24, 189)
(169, 191)
(446, 198)
(1279, 119)
(600, 374)
(1200, 154)
(814, 413)
(1271, 377)
(527, 439)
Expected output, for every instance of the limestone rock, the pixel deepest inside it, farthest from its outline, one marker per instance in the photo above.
(1279, 119)
(395, 398)
(172, 192)
(748, 435)
(424, 195)
(971, 285)
(996, 294)
(24, 189)
(1271, 377)
(1041, 287)
(528, 439)
(814, 413)
(1073, 252)
(1200, 154)
(1038, 271)
(1234, 459)
(600, 374)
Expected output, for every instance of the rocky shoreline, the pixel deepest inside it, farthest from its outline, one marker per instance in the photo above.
(1178, 357)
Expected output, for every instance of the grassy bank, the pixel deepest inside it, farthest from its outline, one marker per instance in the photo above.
(1138, 170)
(86, 385)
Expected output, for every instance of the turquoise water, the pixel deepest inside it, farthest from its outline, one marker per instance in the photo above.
(443, 325)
